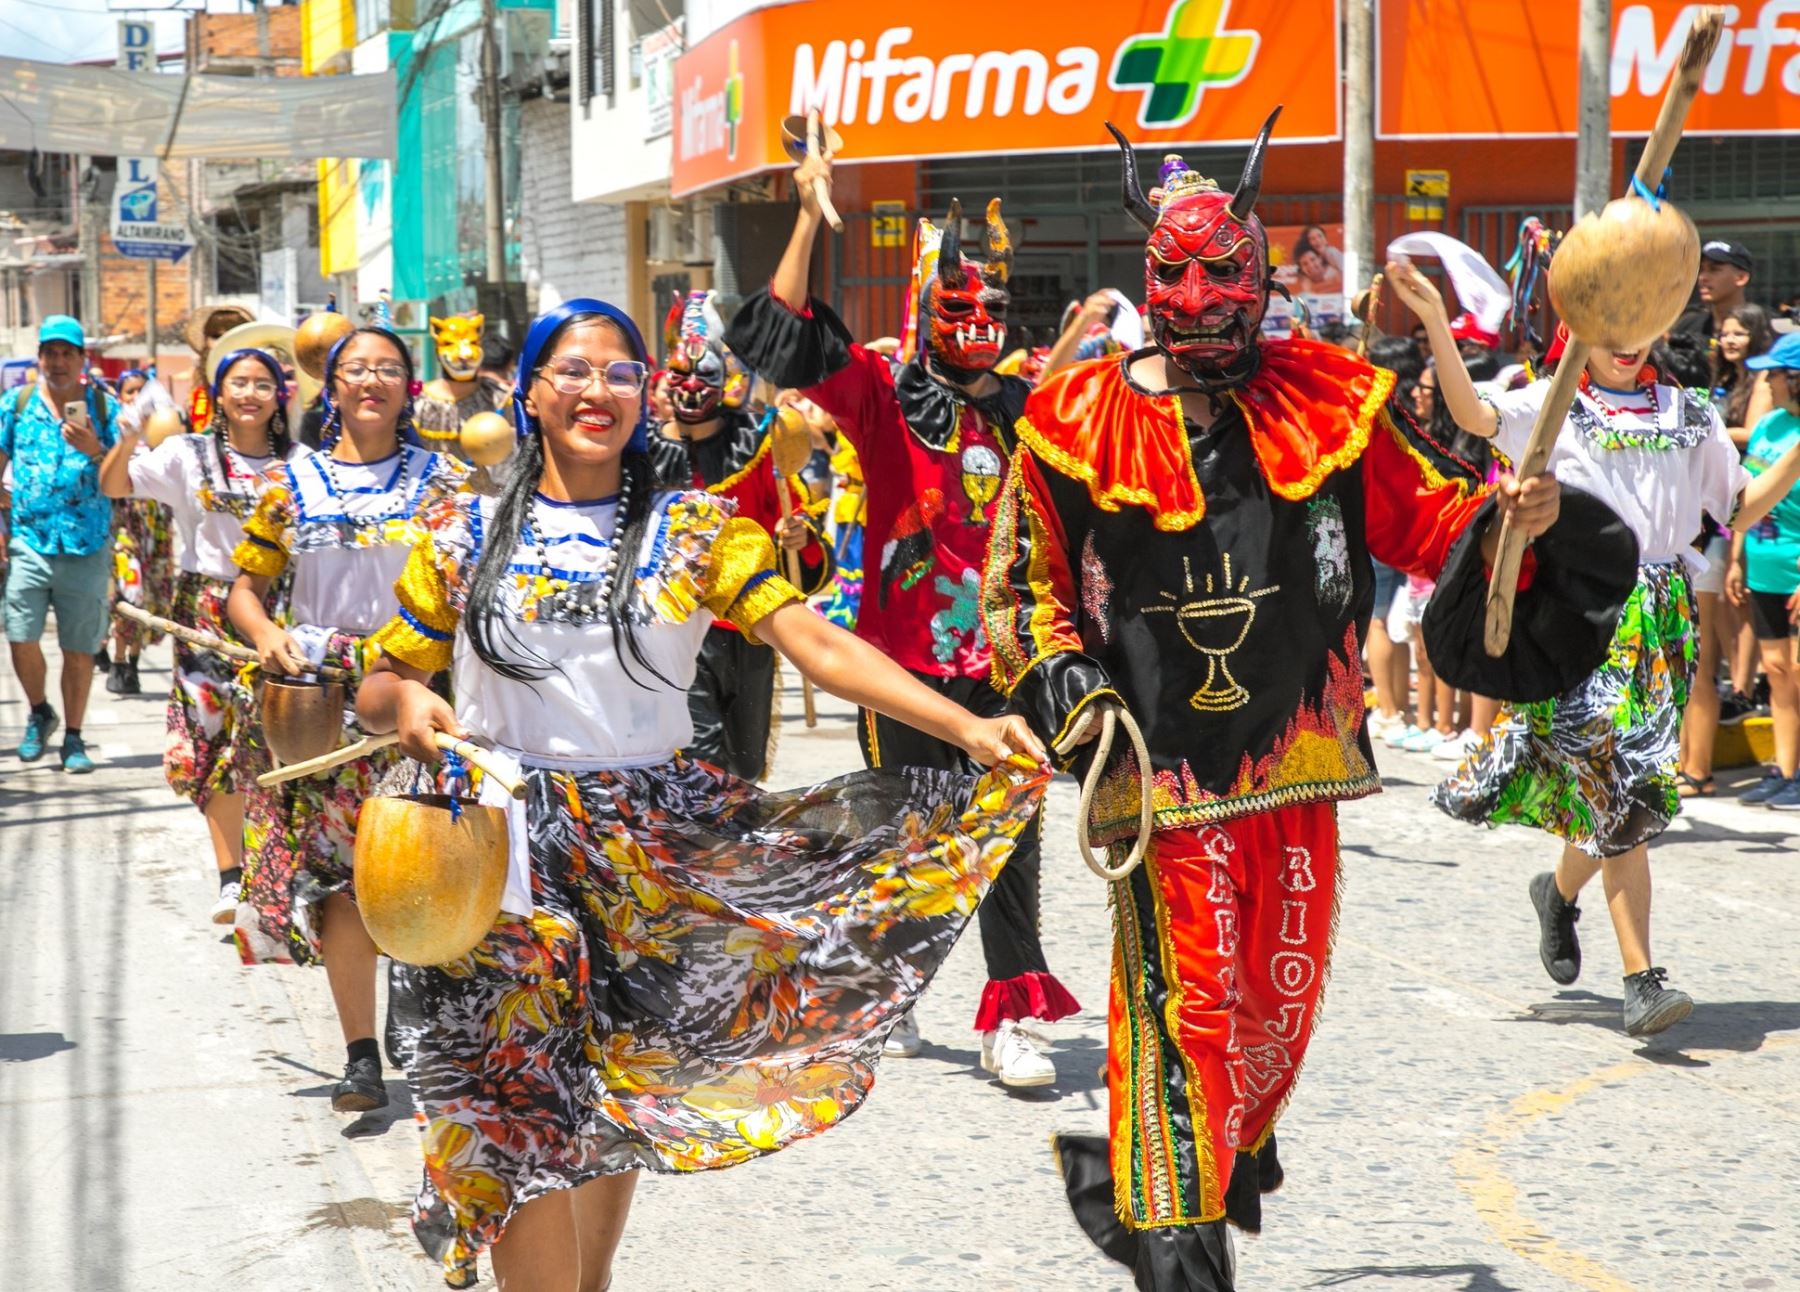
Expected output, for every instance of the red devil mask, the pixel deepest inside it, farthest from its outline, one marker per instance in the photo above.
(964, 304)
(1206, 268)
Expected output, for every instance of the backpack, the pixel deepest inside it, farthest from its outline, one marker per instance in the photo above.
(106, 404)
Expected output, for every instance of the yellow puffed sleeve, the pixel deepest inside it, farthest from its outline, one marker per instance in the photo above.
(425, 629)
(263, 550)
(741, 584)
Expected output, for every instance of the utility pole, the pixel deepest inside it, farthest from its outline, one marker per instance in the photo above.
(1359, 146)
(1593, 139)
(89, 233)
(496, 175)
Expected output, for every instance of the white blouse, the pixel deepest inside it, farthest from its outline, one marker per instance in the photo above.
(1658, 458)
(347, 528)
(209, 501)
(589, 707)
(588, 710)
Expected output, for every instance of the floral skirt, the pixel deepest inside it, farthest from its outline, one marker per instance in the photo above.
(143, 565)
(842, 597)
(1596, 766)
(708, 975)
(211, 708)
(300, 840)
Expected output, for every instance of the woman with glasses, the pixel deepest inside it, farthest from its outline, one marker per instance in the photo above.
(210, 482)
(686, 972)
(341, 522)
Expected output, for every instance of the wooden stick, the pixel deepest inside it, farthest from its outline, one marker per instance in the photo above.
(474, 755)
(325, 762)
(821, 188)
(1702, 38)
(792, 559)
(206, 641)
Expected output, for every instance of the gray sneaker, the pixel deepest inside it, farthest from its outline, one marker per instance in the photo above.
(1558, 946)
(1651, 1007)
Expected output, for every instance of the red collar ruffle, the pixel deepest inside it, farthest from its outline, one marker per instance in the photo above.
(1309, 410)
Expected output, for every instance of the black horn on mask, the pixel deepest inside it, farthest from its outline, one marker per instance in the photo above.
(999, 248)
(950, 270)
(1250, 186)
(1136, 205)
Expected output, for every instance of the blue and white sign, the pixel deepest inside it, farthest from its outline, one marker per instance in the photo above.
(136, 229)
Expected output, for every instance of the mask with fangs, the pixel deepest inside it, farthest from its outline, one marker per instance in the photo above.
(705, 378)
(964, 304)
(1206, 266)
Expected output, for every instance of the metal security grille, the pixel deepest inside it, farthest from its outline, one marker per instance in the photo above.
(1754, 169)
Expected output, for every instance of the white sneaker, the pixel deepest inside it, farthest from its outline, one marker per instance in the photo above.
(1398, 737)
(1426, 741)
(1016, 1057)
(224, 910)
(903, 1042)
(1379, 724)
(1458, 747)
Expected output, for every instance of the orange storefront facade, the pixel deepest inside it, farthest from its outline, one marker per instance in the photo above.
(1476, 97)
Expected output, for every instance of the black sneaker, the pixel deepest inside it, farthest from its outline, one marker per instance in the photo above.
(361, 1090)
(1558, 947)
(1651, 1007)
(129, 684)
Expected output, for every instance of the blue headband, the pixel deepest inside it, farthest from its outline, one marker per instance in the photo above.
(268, 361)
(545, 327)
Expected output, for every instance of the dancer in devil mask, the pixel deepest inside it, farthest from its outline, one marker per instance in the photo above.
(715, 444)
(933, 438)
(1186, 531)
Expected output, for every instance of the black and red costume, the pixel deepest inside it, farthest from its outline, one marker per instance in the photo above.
(1216, 581)
(733, 695)
(933, 458)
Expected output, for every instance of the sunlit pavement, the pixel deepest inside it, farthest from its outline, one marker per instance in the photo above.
(1462, 1124)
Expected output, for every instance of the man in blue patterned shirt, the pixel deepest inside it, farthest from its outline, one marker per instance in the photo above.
(61, 546)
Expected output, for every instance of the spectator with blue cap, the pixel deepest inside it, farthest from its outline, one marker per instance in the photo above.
(60, 548)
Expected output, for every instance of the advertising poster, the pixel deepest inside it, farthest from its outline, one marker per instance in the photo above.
(1309, 262)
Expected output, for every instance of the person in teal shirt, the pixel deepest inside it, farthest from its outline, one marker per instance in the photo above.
(1765, 575)
(59, 554)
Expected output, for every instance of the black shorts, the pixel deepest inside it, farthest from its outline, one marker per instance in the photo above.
(1769, 616)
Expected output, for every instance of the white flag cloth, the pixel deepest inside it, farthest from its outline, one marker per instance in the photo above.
(1481, 291)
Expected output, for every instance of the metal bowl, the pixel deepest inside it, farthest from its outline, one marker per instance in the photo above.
(302, 720)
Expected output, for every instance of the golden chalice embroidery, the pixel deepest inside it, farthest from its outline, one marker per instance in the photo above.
(1215, 624)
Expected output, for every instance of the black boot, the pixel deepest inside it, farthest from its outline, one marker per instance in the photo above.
(1269, 1175)
(130, 685)
(1558, 946)
(115, 678)
(1651, 1007)
(1243, 1195)
(362, 1089)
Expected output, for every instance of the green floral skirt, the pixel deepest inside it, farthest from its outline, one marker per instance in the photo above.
(1596, 766)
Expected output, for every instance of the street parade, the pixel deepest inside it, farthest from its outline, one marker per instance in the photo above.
(594, 589)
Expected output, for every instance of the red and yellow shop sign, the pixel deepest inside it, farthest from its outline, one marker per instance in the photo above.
(1045, 77)
(1508, 68)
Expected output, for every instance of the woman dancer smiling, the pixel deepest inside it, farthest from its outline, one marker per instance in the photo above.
(687, 972)
(210, 483)
(343, 520)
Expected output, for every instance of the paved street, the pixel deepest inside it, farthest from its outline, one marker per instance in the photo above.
(1463, 1125)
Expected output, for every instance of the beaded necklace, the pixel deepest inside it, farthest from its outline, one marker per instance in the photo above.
(335, 489)
(1646, 386)
(582, 597)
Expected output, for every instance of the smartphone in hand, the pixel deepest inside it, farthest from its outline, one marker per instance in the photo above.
(75, 413)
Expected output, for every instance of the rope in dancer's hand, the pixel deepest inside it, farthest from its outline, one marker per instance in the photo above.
(1112, 716)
